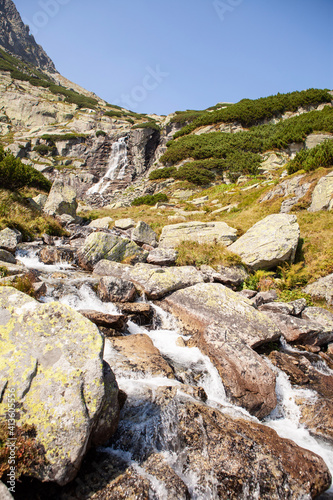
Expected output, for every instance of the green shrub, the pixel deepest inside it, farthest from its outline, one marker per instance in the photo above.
(194, 174)
(150, 124)
(184, 117)
(62, 137)
(14, 174)
(114, 114)
(311, 159)
(162, 173)
(100, 133)
(42, 149)
(150, 199)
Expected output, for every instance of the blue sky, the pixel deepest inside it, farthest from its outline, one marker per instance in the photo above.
(161, 56)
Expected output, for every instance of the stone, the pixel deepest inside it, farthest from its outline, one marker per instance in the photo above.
(321, 316)
(264, 298)
(61, 200)
(294, 189)
(114, 321)
(124, 224)
(229, 276)
(157, 467)
(313, 140)
(301, 331)
(136, 354)
(103, 223)
(330, 349)
(298, 306)
(9, 239)
(322, 289)
(201, 232)
(200, 201)
(269, 242)
(99, 245)
(141, 313)
(154, 282)
(52, 356)
(5, 494)
(13, 269)
(162, 257)
(7, 257)
(277, 307)
(226, 327)
(40, 200)
(143, 234)
(248, 294)
(322, 196)
(53, 255)
(113, 289)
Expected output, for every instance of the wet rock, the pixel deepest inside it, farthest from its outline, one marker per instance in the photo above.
(201, 232)
(114, 321)
(289, 365)
(98, 246)
(9, 239)
(103, 223)
(141, 313)
(322, 196)
(322, 289)
(226, 327)
(58, 378)
(300, 331)
(143, 234)
(55, 255)
(162, 257)
(47, 239)
(269, 242)
(229, 276)
(174, 487)
(61, 200)
(7, 257)
(136, 354)
(113, 289)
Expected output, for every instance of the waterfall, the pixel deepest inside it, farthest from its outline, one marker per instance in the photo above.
(116, 167)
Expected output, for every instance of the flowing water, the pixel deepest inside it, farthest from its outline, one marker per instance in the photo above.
(116, 167)
(142, 429)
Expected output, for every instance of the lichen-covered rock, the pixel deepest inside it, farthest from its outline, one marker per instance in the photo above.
(40, 200)
(269, 242)
(143, 234)
(322, 196)
(52, 356)
(9, 239)
(230, 276)
(113, 289)
(7, 257)
(201, 232)
(162, 257)
(52, 255)
(226, 327)
(61, 200)
(294, 189)
(99, 245)
(322, 289)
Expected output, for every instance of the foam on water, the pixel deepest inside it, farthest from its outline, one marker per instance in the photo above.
(31, 260)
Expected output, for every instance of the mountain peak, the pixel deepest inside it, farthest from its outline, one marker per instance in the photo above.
(15, 38)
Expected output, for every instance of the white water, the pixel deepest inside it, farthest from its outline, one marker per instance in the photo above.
(116, 167)
(140, 418)
(30, 259)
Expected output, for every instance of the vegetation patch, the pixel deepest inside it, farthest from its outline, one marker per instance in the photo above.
(15, 175)
(150, 199)
(192, 253)
(150, 124)
(311, 159)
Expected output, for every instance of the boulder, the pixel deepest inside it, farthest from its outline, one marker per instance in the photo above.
(5, 494)
(99, 245)
(162, 257)
(154, 282)
(9, 239)
(321, 316)
(113, 289)
(201, 232)
(226, 327)
(136, 354)
(322, 196)
(229, 276)
(301, 331)
(114, 321)
(7, 257)
(53, 255)
(269, 242)
(141, 313)
(143, 234)
(58, 378)
(61, 200)
(40, 200)
(322, 289)
(277, 307)
(103, 223)
(124, 224)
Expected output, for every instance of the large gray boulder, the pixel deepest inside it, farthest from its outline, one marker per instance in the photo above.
(9, 239)
(322, 196)
(99, 245)
(52, 357)
(143, 234)
(61, 200)
(201, 232)
(322, 289)
(269, 242)
(226, 327)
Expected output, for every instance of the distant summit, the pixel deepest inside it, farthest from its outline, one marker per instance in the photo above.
(15, 38)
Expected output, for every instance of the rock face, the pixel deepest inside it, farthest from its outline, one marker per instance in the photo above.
(201, 232)
(269, 242)
(98, 246)
(226, 327)
(61, 200)
(293, 188)
(154, 282)
(58, 377)
(322, 289)
(16, 39)
(322, 197)
(9, 239)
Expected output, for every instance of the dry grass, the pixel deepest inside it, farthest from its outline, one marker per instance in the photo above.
(191, 253)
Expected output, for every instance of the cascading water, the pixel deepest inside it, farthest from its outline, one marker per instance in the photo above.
(116, 167)
(145, 427)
